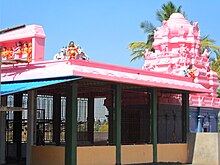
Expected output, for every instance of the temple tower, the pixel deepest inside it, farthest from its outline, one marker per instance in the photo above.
(177, 52)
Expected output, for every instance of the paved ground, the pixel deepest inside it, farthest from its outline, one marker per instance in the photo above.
(169, 163)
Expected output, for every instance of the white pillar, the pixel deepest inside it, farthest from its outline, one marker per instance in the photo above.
(2, 132)
(30, 124)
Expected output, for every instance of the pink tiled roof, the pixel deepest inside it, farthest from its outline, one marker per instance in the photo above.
(99, 71)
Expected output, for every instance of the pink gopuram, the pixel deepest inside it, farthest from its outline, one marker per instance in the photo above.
(177, 52)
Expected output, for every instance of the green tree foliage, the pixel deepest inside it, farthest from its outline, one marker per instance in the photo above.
(138, 48)
(101, 126)
(104, 127)
(215, 66)
(218, 126)
(167, 10)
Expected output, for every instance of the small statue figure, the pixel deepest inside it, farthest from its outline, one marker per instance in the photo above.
(82, 55)
(191, 71)
(63, 52)
(72, 51)
(17, 52)
(4, 53)
(29, 58)
(25, 51)
(9, 53)
(61, 55)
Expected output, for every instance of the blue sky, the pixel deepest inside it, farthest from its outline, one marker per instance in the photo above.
(103, 28)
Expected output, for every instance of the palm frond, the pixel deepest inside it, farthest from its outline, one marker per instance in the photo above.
(137, 49)
(167, 10)
(148, 27)
(137, 55)
(208, 43)
(137, 45)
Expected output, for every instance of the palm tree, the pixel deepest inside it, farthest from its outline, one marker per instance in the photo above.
(138, 48)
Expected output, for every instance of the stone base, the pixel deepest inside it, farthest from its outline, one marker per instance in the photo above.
(204, 148)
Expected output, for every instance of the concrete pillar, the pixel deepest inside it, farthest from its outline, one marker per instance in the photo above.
(56, 118)
(91, 120)
(2, 131)
(118, 123)
(17, 126)
(154, 123)
(30, 124)
(71, 125)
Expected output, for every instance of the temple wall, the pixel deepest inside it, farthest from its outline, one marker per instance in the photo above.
(172, 153)
(54, 155)
(47, 155)
(169, 123)
(205, 114)
(137, 153)
(96, 155)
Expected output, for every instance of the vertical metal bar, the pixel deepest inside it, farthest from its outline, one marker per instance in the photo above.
(71, 126)
(91, 119)
(56, 118)
(17, 125)
(154, 123)
(118, 123)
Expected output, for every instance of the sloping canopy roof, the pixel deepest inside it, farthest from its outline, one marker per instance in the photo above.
(24, 32)
(20, 86)
(99, 71)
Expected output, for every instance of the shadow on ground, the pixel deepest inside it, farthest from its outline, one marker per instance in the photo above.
(160, 163)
